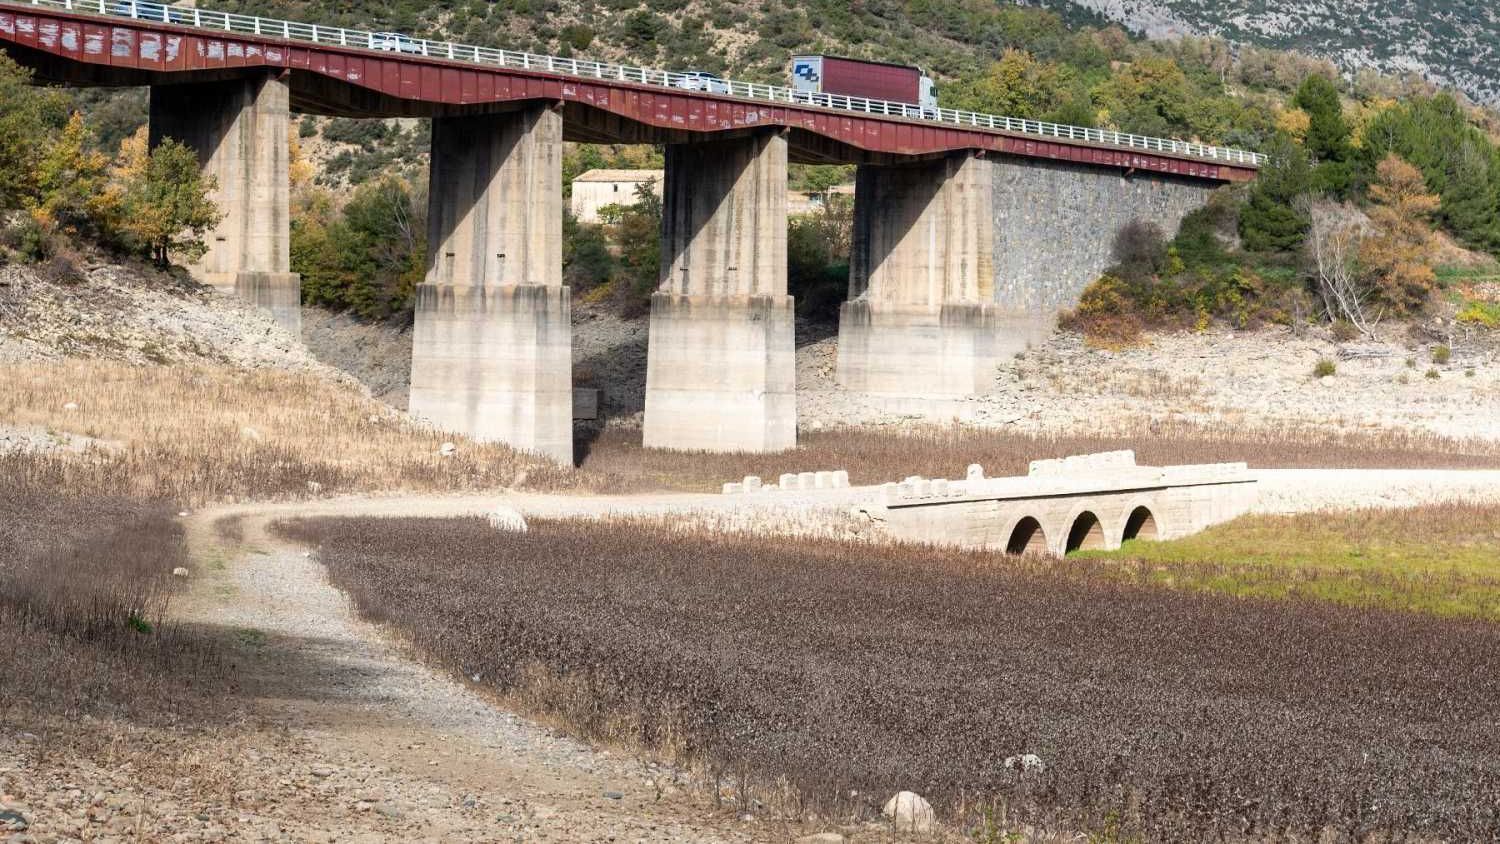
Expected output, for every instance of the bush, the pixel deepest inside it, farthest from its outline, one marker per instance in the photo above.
(1344, 331)
(1324, 368)
(1106, 314)
(1441, 354)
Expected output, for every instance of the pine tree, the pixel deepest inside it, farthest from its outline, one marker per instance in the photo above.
(1328, 135)
(1271, 220)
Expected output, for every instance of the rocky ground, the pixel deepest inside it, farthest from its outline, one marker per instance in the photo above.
(1220, 376)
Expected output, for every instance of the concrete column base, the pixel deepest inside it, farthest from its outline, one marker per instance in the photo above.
(278, 294)
(721, 374)
(496, 364)
(917, 351)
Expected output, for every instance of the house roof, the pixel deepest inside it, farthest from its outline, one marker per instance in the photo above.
(620, 176)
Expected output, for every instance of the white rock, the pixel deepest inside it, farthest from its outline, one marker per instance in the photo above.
(909, 812)
(72, 405)
(447, 449)
(975, 473)
(179, 572)
(374, 419)
(249, 433)
(182, 514)
(1026, 763)
(506, 519)
(733, 488)
(314, 487)
(821, 838)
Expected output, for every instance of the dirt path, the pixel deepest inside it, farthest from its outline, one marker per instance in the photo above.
(397, 750)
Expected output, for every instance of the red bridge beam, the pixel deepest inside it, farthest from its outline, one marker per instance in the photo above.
(83, 49)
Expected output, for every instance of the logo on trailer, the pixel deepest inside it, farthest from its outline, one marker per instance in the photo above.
(805, 70)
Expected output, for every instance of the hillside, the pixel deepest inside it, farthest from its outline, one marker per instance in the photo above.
(1453, 43)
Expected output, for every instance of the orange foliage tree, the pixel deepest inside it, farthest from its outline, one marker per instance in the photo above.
(1397, 256)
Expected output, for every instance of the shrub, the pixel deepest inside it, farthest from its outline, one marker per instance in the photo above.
(1433, 374)
(1344, 331)
(1441, 354)
(1106, 314)
(1324, 368)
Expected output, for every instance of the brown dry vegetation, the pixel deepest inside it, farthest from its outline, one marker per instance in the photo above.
(821, 674)
(84, 586)
(197, 434)
(876, 456)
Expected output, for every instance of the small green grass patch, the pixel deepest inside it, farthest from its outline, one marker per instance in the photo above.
(1440, 559)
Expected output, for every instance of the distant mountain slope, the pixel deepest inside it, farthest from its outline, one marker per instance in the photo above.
(1450, 42)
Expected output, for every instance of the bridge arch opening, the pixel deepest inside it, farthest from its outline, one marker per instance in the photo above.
(1027, 537)
(1086, 534)
(1139, 525)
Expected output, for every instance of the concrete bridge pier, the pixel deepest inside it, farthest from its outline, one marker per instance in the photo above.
(492, 347)
(921, 320)
(238, 127)
(720, 367)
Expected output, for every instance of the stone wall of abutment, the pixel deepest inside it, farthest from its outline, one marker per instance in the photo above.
(1002, 524)
(1055, 226)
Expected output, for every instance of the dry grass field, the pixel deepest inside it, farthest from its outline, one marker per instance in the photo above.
(821, 676)
(199, 434)
(875, 456)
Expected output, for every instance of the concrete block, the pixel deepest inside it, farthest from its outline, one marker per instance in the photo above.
(841, 479)
(496, 363)
(733, 488)
(788, 481)
(721, 374)
(585, 403)
(752, 483)
(807, 480)
(975, 472)
(823, 480)
(278, 294)
(944, 350)
(940, 488)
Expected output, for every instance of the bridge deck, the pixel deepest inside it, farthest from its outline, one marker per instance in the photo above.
(334, 71)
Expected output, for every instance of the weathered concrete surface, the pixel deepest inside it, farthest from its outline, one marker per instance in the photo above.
(496, 363)
(492, 345)
(1088, 502)
(239, 130)
(720, 364)
(494, 208)
(920, 320)
(721, 374)
(1055, 226)
(916, 350)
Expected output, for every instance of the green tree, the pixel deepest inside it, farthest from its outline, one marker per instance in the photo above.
(29, 118)
(636, 230)
(587, 261)
(369, 258)
(69, 183)
(1271, 220)
(167, 209)
(1328, 134)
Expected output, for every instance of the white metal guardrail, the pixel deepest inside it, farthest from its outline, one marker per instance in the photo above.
(389, 42)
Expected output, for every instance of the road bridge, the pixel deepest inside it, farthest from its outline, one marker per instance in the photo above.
(971, 229)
